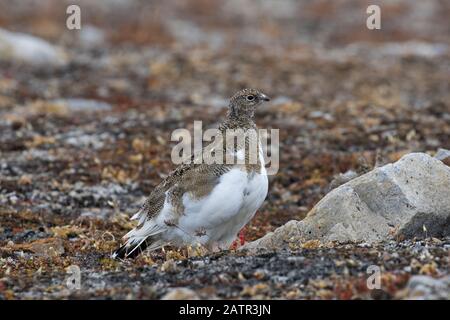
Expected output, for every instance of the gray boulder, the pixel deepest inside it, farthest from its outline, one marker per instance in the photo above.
(409, 198)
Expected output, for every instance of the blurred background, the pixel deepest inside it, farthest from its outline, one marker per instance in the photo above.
(86, 115)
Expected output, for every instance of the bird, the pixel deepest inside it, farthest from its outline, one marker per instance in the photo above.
(206, 203)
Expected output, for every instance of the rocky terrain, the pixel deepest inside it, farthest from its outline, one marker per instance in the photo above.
(86, 118)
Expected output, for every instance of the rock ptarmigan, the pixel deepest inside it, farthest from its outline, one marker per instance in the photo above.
(210, 202)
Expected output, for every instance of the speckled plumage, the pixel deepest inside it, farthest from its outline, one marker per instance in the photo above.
(164, 215)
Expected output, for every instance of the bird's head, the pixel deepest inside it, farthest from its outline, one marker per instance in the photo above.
(245, 102)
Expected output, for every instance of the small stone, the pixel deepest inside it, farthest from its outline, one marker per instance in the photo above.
(25, 180)
(409, 198)
(25, 48)
(252, 291)
(443, 155)
(50, 247)
(198, 264)
(169, 266)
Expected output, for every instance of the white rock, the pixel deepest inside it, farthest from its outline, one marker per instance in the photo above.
(410, 198)
(21, 47)
(428, 288)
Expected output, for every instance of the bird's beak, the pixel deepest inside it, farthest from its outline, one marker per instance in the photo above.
(264, 97)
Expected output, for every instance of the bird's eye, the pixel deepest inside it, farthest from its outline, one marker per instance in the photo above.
(250, 98)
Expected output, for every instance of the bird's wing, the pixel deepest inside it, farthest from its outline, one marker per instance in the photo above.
(196, 179)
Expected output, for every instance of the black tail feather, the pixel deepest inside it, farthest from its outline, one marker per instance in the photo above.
(130, 251)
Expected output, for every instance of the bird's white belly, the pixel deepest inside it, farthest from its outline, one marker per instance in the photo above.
(219, 216)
